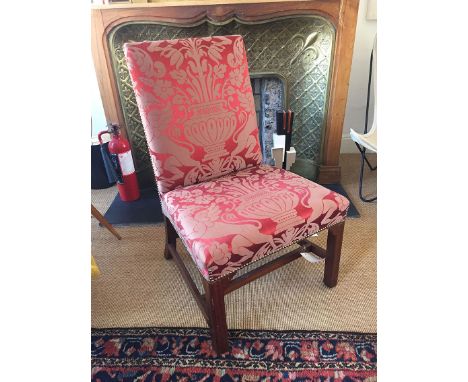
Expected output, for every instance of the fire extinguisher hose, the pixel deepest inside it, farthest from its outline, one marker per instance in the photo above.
(110, 171)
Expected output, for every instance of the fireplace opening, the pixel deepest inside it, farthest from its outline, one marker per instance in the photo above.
(268, 94)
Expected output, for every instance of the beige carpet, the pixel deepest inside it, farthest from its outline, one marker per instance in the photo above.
(139, 288)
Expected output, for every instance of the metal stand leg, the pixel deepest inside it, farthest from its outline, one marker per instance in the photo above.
(362, 150)
(361, 174)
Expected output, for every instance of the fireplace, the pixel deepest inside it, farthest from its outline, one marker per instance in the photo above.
(299, 55)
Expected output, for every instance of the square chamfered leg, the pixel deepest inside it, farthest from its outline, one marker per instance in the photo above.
(332, 261)
(216, 311)
(171, 238)
(212, 302)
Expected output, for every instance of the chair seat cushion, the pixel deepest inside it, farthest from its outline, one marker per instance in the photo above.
(237, 219)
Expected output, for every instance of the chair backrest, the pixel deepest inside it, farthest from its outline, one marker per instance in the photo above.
(197, 107)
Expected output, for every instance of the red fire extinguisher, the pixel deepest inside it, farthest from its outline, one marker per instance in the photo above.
(122, 161)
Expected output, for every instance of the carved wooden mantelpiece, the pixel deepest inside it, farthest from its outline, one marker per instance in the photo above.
(341, 14)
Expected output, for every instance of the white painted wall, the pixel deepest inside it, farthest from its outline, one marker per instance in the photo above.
(98, 119)
(356, 105)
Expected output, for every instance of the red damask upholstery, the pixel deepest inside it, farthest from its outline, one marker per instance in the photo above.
(231, 221)
(197, 109)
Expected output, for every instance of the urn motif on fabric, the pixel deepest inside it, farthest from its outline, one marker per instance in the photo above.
(197, 108)
(210, 126)
(278, 206)
(228, 222)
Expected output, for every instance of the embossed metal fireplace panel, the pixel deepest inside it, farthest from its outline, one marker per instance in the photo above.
(296, 49)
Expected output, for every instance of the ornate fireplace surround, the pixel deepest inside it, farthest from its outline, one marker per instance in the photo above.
(113, 25)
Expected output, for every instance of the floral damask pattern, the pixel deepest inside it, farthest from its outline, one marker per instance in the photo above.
(197, 108)
(231, 221)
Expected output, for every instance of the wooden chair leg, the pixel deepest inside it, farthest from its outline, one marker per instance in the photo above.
(332, 261)
(214, 295)
(104, 221)
(171, 238)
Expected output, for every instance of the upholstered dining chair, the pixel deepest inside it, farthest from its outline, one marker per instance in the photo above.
(227, 208)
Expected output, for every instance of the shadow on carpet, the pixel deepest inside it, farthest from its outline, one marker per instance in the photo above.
(186, 354)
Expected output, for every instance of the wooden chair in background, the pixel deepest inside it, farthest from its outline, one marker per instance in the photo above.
(104, 221)
(94, 267)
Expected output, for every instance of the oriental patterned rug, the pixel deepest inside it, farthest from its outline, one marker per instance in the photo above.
(185, 354)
